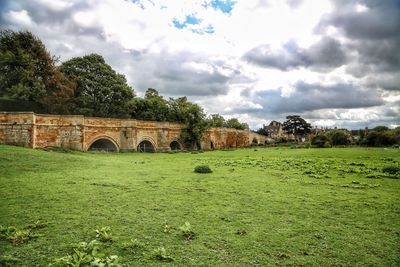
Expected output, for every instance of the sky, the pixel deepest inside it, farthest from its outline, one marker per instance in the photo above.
(336, 63)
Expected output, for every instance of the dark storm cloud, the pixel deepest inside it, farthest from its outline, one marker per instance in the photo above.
(326, 54)
(308, 97)
(374, 35)
(380, 21)
(387, 81)
(176, 74)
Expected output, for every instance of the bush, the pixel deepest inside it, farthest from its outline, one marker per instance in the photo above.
(339, 137)
(320, 141)
(202, 169)
(386, 138)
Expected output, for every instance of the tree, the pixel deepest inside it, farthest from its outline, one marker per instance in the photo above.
(100, 91)
(28, 72)
(386, 138)
(236, 124)
(339, 137)
(380, 128)
(320, 140)
(215, 120)
(296, 125)
(193, 116)
(152, 107)
(262, 131)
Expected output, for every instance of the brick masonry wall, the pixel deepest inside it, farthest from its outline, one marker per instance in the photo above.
(79, 133)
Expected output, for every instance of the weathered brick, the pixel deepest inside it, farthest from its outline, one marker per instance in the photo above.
(79, 132)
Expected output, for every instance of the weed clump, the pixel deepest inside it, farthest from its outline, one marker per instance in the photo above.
(187, 231)
(392, 169)
(87, 254)
(161, 254)
(19, 236)
(202, 169)
(104, 235)
(133, 244)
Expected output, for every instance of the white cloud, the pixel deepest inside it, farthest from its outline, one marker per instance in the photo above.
(20, 18)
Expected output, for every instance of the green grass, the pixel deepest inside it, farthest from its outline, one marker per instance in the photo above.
(272, 206)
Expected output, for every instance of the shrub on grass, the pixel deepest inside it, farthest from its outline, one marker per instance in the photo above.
(202, 169)
(320, 140)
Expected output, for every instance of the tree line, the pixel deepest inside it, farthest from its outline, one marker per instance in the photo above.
(377, 136)
(31, 79)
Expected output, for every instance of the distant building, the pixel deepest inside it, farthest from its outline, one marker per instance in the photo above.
(274, 130)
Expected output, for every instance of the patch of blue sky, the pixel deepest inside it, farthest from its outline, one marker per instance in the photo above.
(225, 6)
(209, 30)
(190, 19)
(141, 4)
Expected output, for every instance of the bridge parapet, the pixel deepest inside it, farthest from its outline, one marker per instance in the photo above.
(80, 133)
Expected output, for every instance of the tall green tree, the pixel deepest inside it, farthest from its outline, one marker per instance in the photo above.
(236, 124)
(296, 125)
(262, 131)
(100, 90)
(193, 116)
(215, 120)
(28, 72)
(152, 107)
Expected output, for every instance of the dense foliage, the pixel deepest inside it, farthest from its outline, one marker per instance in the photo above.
(321, 140)
(382, 138)
(339, 137)
(28, 73)
(296, 125)
(100, 91)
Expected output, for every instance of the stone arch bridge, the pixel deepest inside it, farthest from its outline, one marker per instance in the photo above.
(86, 133)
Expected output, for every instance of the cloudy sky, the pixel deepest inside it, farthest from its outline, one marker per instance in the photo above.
(336, 63)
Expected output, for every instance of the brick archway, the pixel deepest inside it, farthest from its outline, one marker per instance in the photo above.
(103, 143)
(176, 145)
(146, 142)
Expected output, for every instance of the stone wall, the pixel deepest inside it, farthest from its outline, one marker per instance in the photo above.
(79, 133)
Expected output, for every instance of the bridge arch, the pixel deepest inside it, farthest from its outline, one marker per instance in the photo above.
(146, 144)
(103, 143)
(175, 145)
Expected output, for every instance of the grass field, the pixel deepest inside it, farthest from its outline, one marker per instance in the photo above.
(265, 207)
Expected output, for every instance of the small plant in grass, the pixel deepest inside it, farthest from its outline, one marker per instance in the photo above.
(16, 236)
(161, 254)
(87, 254)
(167, 228)
(104, 235)
(187, 231)
(39, 224)
(202, 169)
(132, 244)
(392, 169)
